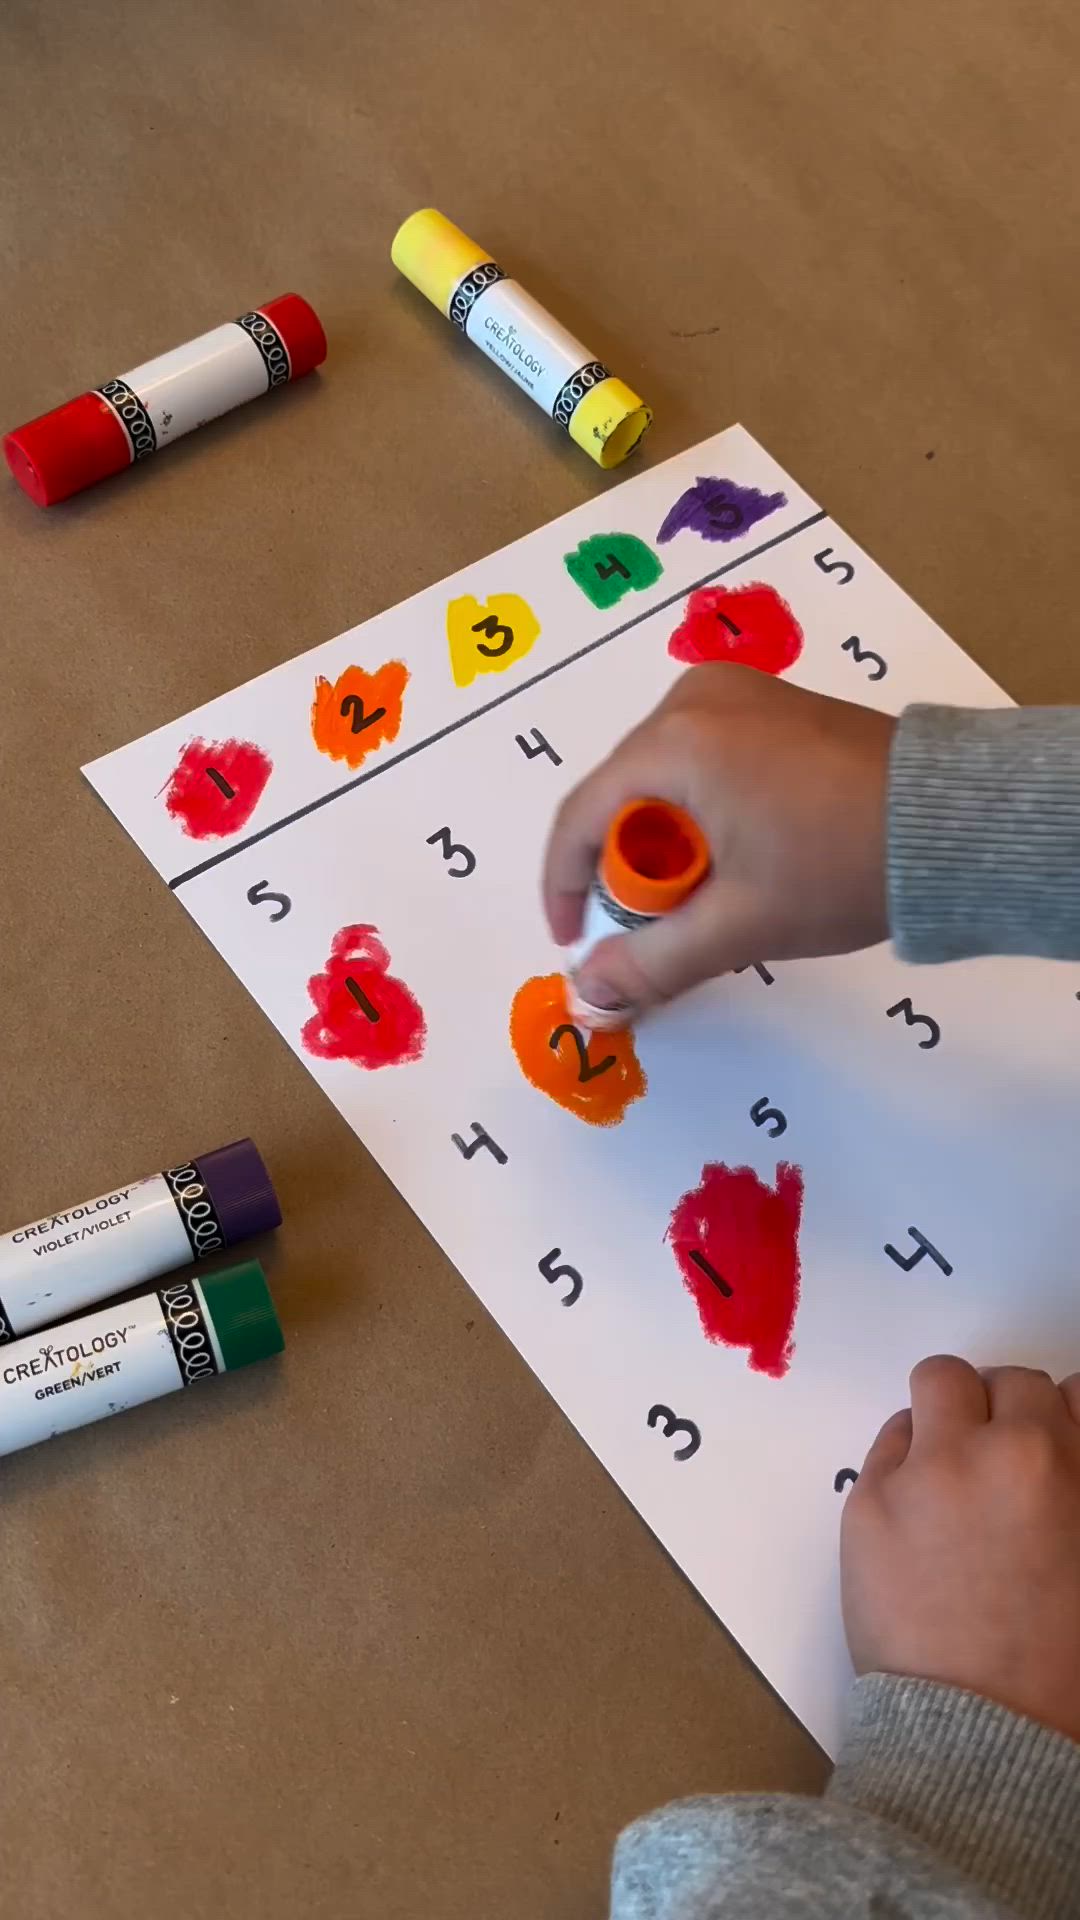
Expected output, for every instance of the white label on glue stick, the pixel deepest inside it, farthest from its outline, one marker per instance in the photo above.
(103, 1364)
(604, 918)
(54, 1266)
(189, 385)
(514, 330)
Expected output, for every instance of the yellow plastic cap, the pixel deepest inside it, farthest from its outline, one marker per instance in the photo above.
(608, 422)
(434, 254)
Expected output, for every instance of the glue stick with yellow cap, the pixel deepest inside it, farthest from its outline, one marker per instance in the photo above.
(600, 412)
(654, 856)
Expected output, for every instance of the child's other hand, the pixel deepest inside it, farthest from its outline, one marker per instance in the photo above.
(790, 790)
(960, 1547)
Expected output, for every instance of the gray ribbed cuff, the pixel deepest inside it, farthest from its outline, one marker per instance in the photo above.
(996, 1796)
(984, 832)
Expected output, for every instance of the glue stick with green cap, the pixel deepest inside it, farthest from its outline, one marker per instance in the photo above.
(138, 1350)
(653, 857)
(601, 413)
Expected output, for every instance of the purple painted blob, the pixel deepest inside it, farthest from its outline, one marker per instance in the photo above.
(718, 510)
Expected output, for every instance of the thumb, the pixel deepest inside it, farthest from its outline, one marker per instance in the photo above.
(621, 978)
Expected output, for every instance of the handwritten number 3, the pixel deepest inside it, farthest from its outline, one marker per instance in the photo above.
(861, 655)
(670, 1425)
(450, 850)
(586, 1069)
(913, 1019)
(491, 627)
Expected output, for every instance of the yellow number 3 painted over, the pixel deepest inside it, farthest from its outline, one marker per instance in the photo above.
(488, 636)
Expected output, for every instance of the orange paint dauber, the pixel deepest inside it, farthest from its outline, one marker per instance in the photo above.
(654, 856)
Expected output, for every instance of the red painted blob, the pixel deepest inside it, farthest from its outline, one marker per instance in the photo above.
(736, 1241)
(364, 1014)
(216, 786)
(749, 626)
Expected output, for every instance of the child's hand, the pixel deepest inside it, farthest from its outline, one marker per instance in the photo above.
(961, 1540)
(790, 789)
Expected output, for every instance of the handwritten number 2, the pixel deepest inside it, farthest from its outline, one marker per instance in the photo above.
(586, 1069)
(860, 654)
(260, 895)
(451, 848)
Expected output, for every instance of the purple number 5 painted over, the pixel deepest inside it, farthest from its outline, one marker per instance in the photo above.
(718, 510)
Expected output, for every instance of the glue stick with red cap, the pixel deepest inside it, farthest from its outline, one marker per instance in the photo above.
(100, 433)
(653, 857)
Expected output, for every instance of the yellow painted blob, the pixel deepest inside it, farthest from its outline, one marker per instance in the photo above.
(487, 636)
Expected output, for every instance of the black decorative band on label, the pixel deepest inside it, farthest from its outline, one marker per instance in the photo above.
(188, 1332)
(623, 916)
(271, 345)
(579, 384)
(468, 291)
(196, 1209)
(7, 1331)
(132, 416)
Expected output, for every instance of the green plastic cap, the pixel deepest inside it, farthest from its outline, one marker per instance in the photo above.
(242, 1312)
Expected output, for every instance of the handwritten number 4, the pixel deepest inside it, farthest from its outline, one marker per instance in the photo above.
(451, 848)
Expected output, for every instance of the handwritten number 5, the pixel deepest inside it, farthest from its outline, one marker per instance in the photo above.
(260, 895)
(824, 560)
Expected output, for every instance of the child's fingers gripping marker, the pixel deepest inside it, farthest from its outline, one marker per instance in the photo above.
(653, 859)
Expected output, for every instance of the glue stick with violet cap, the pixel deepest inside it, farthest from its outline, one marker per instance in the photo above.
(126, 1354)
(653, 857)
(601, 413)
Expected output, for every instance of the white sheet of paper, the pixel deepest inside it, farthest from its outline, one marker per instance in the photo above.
(970, 1140)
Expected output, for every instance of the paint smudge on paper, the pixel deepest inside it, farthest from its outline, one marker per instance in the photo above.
(596, 1078)
(488, 636)
(718, 510)
(359, 711)
(364, 1014)
(750, 626)
(215, 786)
(608, 565)
(736, 1243)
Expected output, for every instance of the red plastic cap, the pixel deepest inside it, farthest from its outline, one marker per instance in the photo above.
(72, 447)
(300, 328)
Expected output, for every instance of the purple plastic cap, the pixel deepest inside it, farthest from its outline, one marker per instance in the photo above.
(241, 1190)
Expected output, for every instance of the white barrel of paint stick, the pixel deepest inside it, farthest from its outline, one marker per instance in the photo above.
(126, 1354)
(67, 1260)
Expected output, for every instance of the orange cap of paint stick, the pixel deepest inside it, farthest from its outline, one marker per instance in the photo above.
(654, 855)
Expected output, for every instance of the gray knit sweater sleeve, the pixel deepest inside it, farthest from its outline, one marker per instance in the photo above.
(984, 832)
(942, 1807)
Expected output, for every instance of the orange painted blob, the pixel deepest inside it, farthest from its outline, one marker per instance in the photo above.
(598, 1078)
(359, 712)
